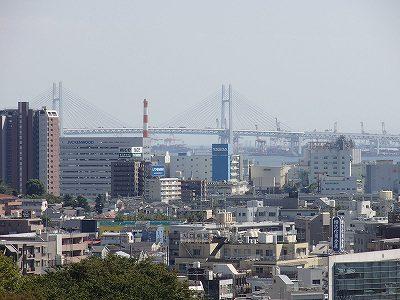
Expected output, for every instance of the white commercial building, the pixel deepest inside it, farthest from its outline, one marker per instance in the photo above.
(198, 167)
(265, 177)
(331, 159)
(254, 211)
(338, 185)
(162, 189)
(85, 163)
(367, 275)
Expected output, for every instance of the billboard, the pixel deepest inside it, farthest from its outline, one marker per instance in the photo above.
(157, 171)
(220, 149)
(128, 152)
(337, 234)
(125, 155)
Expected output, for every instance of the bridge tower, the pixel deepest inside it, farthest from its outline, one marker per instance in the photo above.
(58, 103)
(226, 121)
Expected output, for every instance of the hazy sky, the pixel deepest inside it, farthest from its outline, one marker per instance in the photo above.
(309, 62)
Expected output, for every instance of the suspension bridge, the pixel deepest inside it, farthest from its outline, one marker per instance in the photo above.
(225, 113)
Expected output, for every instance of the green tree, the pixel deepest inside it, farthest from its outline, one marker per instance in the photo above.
(9, 275)
(111, 278)
(34, 187)
(100, 200)
(51, 199)
(5, 189)
(82, 202)
(68, 200)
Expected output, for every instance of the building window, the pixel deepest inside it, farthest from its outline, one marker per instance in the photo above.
(316, 281)
(196, 252)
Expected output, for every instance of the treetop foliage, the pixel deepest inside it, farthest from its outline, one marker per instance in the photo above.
(94, 278)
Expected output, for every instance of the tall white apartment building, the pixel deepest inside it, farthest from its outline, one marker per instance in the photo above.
(162, 189)
(48, 150)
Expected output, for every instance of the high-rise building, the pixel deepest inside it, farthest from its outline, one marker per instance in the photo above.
(17, 146)
(47, 140)
(29, 147)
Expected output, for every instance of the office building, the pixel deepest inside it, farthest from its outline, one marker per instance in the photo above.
(265, 178)
(221, 166)
(86, 163)
(367, 275)
(332, 159)
(193, 190)
(196, 167)
(338, 185)
(382, 175)
(126, 179)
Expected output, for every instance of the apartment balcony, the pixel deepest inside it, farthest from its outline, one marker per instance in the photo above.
(74, 259)
(73, 247)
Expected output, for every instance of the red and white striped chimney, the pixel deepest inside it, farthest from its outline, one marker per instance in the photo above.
(145, 119)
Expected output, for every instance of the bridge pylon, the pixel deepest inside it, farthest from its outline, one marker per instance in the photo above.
(226, 121)
(57, 103)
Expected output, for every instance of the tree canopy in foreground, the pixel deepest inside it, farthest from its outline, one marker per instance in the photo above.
(95, 278)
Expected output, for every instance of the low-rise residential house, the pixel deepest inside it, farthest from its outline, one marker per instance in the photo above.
(8, 226)
(10, 206)
(36, 206)
(100, 251)
(314, 229)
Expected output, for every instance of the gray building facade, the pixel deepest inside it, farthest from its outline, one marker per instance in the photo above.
(85, 163)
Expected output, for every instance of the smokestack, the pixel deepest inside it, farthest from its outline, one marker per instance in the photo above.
(145, 119)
